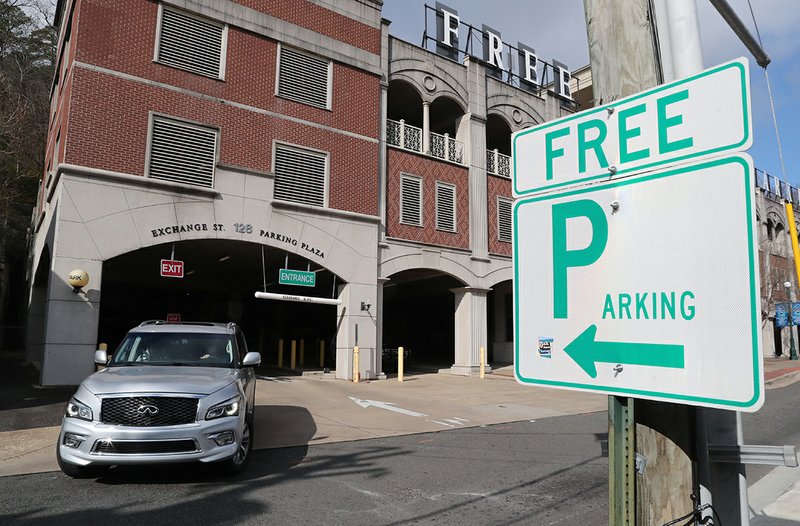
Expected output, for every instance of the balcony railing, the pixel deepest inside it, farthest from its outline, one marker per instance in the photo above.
(398, 133)
(498, 163)
(444, 147)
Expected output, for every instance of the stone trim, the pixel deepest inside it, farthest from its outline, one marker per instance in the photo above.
(332, 212)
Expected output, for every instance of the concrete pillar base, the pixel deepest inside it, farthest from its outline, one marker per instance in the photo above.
(469, 370)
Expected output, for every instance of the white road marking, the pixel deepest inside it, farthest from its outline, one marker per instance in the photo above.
(389, 406)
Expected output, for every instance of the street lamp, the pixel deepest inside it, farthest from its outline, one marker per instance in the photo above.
(792, 349)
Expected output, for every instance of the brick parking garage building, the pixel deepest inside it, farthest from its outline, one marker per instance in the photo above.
(246, 137)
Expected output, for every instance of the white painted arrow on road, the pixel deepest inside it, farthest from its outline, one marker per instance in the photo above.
(385, 405)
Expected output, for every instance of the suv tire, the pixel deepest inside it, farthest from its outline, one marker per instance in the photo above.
(237, 463)
(78, 472)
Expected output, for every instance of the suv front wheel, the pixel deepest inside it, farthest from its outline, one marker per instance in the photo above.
(237, 462)
(78, 472)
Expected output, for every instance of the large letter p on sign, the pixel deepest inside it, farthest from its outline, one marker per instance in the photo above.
(564, 258)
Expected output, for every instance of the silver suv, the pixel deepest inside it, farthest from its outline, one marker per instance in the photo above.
(170, 393)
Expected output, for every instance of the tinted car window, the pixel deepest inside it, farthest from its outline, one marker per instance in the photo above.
(163, 348)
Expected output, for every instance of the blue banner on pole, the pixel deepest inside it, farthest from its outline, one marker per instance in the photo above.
(781, 315)
(796, 313)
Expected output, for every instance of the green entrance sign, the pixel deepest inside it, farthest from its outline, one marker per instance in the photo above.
(646, 286)
(699, 116)
(299, 278)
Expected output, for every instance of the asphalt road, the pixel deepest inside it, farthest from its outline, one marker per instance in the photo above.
(545, 472)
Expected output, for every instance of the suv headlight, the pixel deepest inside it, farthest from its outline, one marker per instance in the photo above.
(76, 409)
(226, 408)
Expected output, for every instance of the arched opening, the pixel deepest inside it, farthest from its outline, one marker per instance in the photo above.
(779, 246)
(404, 103)
(419, 315)
(498, 134)
(445, 116)
(37, 309)
(219, 283)
(498, 146)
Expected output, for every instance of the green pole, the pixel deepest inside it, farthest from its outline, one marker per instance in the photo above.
(621, 457)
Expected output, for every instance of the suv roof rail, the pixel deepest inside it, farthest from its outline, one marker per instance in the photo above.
(152, 322)
(230, 325)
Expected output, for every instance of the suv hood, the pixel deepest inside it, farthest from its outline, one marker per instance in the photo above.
(160, 379)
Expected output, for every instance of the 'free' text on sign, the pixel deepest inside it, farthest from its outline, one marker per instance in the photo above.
(694, 117)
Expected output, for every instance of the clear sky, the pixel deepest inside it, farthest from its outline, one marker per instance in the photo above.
(556, 29)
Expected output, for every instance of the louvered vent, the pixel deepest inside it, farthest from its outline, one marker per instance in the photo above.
(303, 78)
(182, 152)
(504, 219)
(191, 43)
(411, 200)
(445, 207)
(300, 175)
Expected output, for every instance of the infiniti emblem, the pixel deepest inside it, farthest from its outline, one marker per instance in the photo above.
(147, 410)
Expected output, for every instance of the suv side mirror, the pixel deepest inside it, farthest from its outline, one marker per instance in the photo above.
(101, 357)
(251, 359)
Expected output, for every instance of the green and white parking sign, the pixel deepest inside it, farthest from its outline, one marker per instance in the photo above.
(698, 116)
(645, 286)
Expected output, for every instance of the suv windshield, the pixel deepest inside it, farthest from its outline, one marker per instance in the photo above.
(175, 348)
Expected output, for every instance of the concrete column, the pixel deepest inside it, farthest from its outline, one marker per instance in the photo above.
(34, 340)
(478, 193)
(379, 328)
(72, 319)
(426, 126)
(474, 138)
(357, 327)
(470, 329)
(382, 173)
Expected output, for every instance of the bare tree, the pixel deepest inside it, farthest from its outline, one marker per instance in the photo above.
(27, 56)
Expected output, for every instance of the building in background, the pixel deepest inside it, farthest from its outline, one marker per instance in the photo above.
(241, 138)
(775, 259)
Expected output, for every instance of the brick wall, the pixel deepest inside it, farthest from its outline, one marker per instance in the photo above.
(108, 129)
(496, 186)
(430, 170)
(120, 35)
(320, 20)
(108, 115)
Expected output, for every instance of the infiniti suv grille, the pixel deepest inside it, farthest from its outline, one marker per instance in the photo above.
(148, 411)
(145, 447)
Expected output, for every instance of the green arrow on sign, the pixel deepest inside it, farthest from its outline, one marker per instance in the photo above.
(586, 351)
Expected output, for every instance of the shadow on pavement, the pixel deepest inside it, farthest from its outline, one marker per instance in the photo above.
(283, 426)
(24, 405)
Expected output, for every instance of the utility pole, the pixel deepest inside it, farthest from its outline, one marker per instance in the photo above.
(625, 59)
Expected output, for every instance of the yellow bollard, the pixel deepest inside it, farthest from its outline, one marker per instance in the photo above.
(400, 353)
(483, 362)
(322, 353)
(356, 374)
(280, 353)
(302, 353)
(294, 354)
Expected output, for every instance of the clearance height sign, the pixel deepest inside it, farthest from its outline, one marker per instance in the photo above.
(645, 285)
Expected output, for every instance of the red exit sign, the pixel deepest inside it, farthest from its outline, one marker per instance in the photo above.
(171, 269)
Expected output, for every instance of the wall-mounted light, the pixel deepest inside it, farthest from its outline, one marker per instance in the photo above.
(365, 305)
(78, 279)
